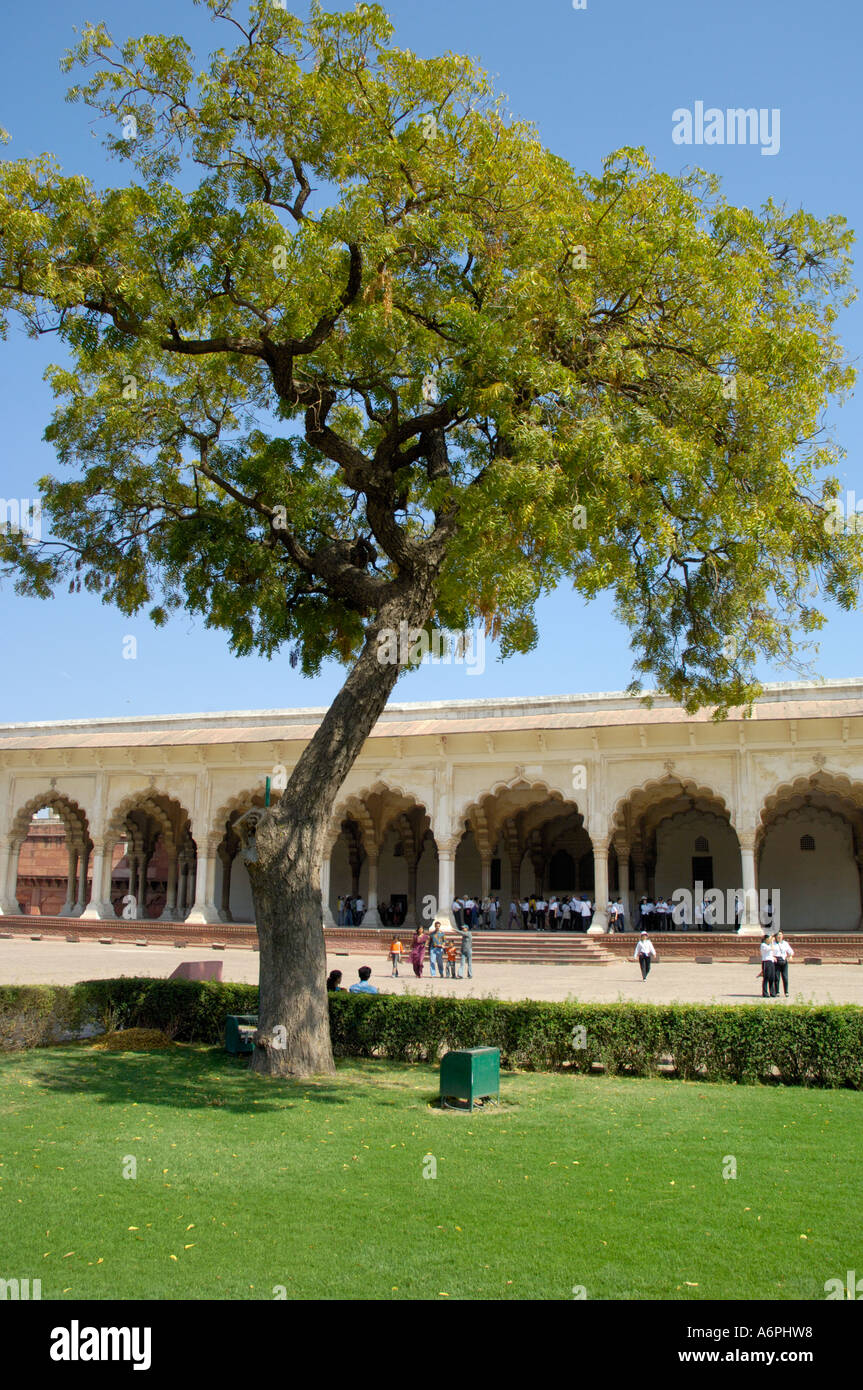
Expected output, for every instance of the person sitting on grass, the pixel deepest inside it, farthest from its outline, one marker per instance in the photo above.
(362, 986)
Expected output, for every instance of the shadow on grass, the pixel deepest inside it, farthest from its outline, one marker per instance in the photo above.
(188, 1077)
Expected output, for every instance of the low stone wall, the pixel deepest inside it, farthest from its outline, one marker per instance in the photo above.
(214, 934)
(838, 948)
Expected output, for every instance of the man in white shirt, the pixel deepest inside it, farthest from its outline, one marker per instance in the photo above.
(768, 967)
(359, 911)
(644, 953)
(541, 907)
(621, 915)
(457, 912)
(586, 910)
(782, 953)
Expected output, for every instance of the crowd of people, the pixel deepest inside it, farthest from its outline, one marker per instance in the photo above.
(443, 949)
(567, 913)
(533, 913)
(446, 951)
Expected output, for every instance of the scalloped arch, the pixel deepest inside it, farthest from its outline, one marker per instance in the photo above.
(145, 801)
(838, 784)
(833, 821)
(517, 783)
(243, 801)
(353, 806)
(640, 796)
(75, 818)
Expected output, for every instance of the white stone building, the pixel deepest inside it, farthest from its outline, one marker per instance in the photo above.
(592, 794)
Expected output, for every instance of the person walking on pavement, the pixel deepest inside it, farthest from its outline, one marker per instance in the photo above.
(645, 951)
(418, 949)
(396, 949)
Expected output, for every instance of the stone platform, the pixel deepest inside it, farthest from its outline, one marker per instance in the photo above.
(499, 947)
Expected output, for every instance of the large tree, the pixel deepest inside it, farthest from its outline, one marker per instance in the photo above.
(351, 349)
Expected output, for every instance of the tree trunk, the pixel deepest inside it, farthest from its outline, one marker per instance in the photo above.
(282, 850)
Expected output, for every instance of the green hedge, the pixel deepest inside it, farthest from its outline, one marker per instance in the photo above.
(795, 1044)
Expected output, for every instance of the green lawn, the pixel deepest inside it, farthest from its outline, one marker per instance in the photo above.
(244, 1184)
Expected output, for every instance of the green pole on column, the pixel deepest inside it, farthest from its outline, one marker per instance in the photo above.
(267, 794)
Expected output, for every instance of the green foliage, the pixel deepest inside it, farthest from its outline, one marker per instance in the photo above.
(316, 223)
(30, 1015)
(795, 1044)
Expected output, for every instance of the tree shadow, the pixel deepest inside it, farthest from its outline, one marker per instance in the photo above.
(192, 1077)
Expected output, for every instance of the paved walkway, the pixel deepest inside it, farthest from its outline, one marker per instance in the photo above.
(62, 962)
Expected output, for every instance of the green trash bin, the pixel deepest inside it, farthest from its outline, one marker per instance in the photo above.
(470, 1075)
(239, 1029)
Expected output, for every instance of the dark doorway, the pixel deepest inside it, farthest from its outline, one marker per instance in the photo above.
(399, 906)
(561, 874)
(702, 871)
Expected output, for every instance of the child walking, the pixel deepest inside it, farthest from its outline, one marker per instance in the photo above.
(395, 955)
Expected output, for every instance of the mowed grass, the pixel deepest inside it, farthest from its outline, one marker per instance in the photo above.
(244, 1185)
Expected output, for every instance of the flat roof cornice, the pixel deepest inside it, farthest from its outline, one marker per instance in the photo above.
(785, 700)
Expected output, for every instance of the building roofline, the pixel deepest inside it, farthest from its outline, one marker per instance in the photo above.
(830, 691)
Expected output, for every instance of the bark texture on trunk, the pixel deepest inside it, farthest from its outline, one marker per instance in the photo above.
(282, 848)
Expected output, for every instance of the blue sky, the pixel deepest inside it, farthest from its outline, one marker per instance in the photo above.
(592, 80)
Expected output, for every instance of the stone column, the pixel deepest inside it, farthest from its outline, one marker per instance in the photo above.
(445, 884)
(640, 876)
(371, 917)
(623, 875)
(485, 874)
(599, 925)
(411, 910)
(326, 867)
(537, 859)
(82, 880)
(859, 861)
(143, 866)
(183, 889)
(170, 909)
(68, 905)
(750, 925)
(204, 908)
(100, 907)
(9, 878)
(134, 878)
(515, 880)
(226, 859)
